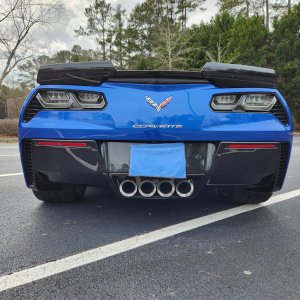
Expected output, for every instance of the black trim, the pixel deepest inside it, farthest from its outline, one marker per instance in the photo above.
(280, 113)
(157, 80)
(284, 153)
(32, 109)
(262, 169)
(245, 167)
(94, 73)
(27, 154)
(236, 76)
(83, 73)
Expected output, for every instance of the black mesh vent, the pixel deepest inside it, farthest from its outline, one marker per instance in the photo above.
(27, 149)
(282, 165)
(280, 113)
(32, 109)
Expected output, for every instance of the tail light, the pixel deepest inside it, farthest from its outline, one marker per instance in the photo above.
(244, 102)
(91, 100)
(252, 146)
(74, 144)
(55, 99)
(258, 102)
(59, 99)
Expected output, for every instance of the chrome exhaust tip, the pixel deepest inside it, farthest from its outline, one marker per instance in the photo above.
(166, 188)
(128, 188)
(147, 188)
(184, 188)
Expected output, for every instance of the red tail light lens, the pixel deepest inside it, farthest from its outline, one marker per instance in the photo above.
(62, 144)
(252, 146)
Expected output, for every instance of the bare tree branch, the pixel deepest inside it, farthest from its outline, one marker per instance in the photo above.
(15, 32)
(172, 49)
(7, 9)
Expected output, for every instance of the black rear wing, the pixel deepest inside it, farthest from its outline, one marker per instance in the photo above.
(81, 73)
(230, 75)
(95, 73)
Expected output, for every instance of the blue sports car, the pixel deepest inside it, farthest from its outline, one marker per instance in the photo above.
(155, 134)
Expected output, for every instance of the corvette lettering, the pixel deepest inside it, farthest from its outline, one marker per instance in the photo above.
(163, 126)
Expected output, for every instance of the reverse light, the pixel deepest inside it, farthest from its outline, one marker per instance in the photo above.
(243, 102)
(55, 99)
(91, 100)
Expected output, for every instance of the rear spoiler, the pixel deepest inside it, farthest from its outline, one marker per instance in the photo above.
(230, 75)
(94, 73)
(82, 73)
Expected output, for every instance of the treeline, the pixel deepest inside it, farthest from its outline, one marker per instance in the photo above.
(156, 35)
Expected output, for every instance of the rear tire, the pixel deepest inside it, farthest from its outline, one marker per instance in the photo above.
(67, 193)
(243, 196)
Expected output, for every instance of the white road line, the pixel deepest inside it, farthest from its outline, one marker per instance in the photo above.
(65, 264)
(9, 175)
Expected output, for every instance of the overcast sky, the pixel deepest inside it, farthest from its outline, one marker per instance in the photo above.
(61, 36)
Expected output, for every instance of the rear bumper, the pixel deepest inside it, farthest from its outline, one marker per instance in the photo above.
(96, 163)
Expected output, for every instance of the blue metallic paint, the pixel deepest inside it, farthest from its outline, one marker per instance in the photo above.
(127, 106)
(189, 107)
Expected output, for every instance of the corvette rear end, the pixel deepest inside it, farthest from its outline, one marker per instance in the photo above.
(155, 134)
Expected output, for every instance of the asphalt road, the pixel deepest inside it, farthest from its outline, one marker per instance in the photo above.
(253, 255)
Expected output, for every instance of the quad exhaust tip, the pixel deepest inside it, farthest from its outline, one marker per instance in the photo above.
(128, 188)
(184, 188)
(147, 188)
(166, 188)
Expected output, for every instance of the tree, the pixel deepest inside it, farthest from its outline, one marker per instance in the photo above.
(186, 6)
(249, 41)
(241, 6)
(221, 55)
(286, 45)
(29, 70)
(98, 24)
(7, 9)
(169, 10)
(171, 51)
(284, 5)
(78, 54)
(144, 21)
(119, 36)
(210, 41)
(267, 14)
(16, 41)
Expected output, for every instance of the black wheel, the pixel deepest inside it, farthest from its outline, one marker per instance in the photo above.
(67, 193)
(243, 196)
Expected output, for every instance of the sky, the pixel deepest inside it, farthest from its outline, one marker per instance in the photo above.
(61, 35)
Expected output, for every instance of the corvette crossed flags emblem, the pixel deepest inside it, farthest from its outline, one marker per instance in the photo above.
(161, 105)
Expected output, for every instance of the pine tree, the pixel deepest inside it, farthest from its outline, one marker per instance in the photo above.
(241, 6)
(286, 45)
(119, 36)
(186, 6)
(144, 21)
(98, 24)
